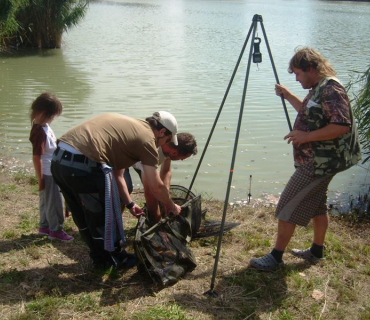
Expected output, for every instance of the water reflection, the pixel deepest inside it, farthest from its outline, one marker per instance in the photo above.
(25, 75)
(178, 55)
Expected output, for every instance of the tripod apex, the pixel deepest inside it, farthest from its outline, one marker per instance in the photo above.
(257, 18)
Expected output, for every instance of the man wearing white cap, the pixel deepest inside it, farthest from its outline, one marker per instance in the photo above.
(88, 166)
(168, 121)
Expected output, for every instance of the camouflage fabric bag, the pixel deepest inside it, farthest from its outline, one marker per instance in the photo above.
(331, 156)
(161, 249)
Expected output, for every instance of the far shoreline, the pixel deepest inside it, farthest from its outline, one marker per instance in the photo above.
(10, 165)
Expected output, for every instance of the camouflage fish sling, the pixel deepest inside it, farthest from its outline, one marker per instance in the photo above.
(331, 156)
(162, 250)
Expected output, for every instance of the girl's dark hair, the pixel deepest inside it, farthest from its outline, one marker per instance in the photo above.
(154, 124)
(46, 104)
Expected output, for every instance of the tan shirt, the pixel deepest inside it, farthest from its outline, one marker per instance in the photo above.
(114, 139)
(161, 158)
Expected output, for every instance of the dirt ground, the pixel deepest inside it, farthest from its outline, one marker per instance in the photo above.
(33, 268)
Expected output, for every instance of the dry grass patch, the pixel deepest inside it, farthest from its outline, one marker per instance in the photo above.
(43, 279)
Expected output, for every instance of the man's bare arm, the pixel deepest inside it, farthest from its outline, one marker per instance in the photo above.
(159, 190)
(165, 173)
(124, 194)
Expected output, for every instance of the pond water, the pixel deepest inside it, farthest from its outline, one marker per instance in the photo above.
(137, 57)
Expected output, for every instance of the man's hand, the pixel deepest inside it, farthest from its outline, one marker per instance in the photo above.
(175, 211)
(297, 137)
(136, 211)
(283, 91)
(329, 132)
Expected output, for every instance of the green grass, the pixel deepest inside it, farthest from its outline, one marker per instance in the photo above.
(44, 307)
(28, 223)
(48, 306)
(367, 270)
(12, 276)
(53, 280)
(25, 177)
(24, 316)
(285, 315)
(23, 262)
(300, 283)
(9, 234)
(169, 312)
(207, 242)
(6, 190)
(255, 241)
(365, 313)
(33, 251)
(346, 291)
(84, 302)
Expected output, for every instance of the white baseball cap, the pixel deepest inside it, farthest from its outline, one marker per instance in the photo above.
(167, 120)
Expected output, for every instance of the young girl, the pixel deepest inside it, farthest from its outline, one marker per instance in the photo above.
(43, 111)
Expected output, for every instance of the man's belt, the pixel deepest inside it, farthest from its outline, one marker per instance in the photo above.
(64, 157)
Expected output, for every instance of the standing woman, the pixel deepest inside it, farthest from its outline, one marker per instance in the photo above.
(325, 143)
(44, 109)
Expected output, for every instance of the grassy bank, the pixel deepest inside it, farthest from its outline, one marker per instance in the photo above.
(43, 279)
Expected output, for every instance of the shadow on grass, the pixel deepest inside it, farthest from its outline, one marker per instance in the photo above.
(246, 293)
(22, 242)
(56, 279)
(60, 280)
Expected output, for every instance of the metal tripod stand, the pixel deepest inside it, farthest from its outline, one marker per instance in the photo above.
(252, 30)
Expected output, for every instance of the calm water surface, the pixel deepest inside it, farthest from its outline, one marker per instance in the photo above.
(137, 57)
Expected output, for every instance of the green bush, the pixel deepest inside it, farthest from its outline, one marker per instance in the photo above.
(361, 109)
(38, 23)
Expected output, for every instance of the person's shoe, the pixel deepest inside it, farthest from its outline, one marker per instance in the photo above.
(131, 261)
(124, 260)
(306, 255)
(266, 263)
(44, 231)
(100, 264)
(60, 235)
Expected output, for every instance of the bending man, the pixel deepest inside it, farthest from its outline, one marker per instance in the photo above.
(88, 166)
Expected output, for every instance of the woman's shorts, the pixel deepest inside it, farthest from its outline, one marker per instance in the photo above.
(303, 198)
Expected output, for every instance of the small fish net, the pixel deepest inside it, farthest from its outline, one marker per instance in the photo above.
(201, 226)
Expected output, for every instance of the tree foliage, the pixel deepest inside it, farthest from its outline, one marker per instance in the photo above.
(8, 24)
(38, 23)
(361, 109)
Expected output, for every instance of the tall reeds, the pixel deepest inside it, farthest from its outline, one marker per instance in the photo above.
(362, 112)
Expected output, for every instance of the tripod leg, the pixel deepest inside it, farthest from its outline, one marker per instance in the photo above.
(220, 109)
(276, 76)
(211, 291)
